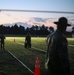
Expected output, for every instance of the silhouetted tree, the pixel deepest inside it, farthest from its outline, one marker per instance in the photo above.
(51, 29)
(21, 30)
(34, 30)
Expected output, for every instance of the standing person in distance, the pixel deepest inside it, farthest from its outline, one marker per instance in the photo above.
(2, 37)
(57, 52)
(28, 41)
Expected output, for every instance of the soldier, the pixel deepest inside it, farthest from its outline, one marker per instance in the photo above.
(57, 51)
(28, 41)
(2, 37)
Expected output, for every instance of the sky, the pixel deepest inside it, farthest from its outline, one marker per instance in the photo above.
(49, 5)
(29, 17)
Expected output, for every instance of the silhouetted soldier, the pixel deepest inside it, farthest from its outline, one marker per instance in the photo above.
(28, 41)
(57, 52)
(2, 37)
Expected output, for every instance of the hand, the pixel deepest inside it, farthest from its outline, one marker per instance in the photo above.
(46, 65)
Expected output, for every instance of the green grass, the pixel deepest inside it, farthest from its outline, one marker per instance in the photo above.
(28, 55)
(10, 66)
(23, 54)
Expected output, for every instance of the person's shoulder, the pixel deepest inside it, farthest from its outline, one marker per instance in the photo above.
(56, 36)
(53, 34)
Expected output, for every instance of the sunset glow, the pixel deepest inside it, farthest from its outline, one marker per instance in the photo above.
(36, 18)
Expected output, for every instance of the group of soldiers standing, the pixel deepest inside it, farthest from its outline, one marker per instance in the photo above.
(26, 45)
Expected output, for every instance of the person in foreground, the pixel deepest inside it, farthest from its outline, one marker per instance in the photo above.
(57, 51)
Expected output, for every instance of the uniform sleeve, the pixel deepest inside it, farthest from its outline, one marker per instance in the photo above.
(48, 43)
(47, 39)
(51, 46)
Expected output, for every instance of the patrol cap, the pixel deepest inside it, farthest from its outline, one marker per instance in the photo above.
(63, 21)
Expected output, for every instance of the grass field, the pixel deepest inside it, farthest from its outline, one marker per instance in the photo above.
(28, 56)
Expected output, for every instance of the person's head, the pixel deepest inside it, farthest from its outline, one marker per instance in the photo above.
(62, 24)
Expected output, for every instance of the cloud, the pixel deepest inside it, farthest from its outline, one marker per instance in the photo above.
(40, 19)
(28, 22)
(36, 19)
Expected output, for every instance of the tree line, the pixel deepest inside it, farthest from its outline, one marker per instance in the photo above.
(34, 30)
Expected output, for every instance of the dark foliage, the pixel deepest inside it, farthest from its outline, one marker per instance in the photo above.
(34, 30)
